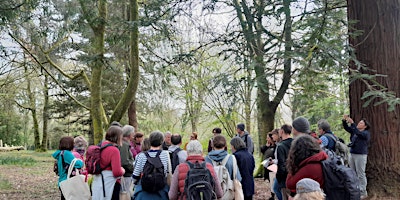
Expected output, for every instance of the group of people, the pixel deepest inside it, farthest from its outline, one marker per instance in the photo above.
(125, 155)
(293, 149)
(299, 157)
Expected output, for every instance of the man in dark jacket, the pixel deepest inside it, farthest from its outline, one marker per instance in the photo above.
(246, 165)
(282, 152)
(360, 138)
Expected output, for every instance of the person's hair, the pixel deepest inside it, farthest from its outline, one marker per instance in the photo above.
(66, 143)
(127, 130)
(287, 129)
(194, 147)
(194, 135)
(219, 142)
(167, 133)
(115, 123)
(80, 143)
(156, 138)
(317, 195)
(138, 135)
(275, 131)
(114, 134)
(367, 124)
(238, 143)
(217, 130)
(145, 145)
(176, 139)
(304, 146)
(324, 125)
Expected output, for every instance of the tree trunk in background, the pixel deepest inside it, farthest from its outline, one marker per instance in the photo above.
(97, 22)
(45, 112)
(132, 115)
(378, 47)
(32, 108)
(128, 102)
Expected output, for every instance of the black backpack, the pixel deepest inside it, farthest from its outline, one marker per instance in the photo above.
(340, 182)
(153, 179)
(199, 183)
(174, 158)
(65, 166)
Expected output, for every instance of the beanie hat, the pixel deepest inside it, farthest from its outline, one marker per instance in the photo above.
(301, 124)
(306, 185)
(240, 126)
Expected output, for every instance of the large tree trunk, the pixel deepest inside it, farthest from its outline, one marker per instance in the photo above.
(127, 100)
(32, 108)
(45, 116)
(378, 47)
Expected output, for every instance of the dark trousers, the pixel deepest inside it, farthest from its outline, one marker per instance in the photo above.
(117, 189)
(248, 197)
(62, 196)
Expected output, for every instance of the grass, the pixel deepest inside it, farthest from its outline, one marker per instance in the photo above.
(4, 184)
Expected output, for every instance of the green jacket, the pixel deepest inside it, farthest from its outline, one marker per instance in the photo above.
(126, 158)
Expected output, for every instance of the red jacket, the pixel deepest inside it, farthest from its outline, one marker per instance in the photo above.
(179, 176)
(309, 168)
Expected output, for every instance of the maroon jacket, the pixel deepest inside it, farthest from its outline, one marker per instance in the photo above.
(309, 168)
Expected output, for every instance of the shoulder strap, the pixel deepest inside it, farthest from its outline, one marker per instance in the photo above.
(225, 160)
(214, 163)
(245, 139)
(331, 136)
(235, 167)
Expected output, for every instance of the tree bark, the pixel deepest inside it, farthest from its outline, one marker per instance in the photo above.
(45, 112)
(128, 98)
(32, 108)
(378, 48)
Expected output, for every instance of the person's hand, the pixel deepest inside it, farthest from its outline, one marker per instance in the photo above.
(123, 170)
(345, 117)
(349, 120)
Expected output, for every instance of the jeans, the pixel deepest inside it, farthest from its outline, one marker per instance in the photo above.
(277, 189)
(358, 163)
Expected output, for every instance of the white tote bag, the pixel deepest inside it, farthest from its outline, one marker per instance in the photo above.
(75, 188)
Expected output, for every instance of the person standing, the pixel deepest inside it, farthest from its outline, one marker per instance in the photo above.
(126, 156)
(167, 140)
(215, 131)
(359, 138)
(324, 129)
(268, 151)
(64, 155)
(136, 143)
(246, 165)
(281, 154)
(177, 155)
(245, 136)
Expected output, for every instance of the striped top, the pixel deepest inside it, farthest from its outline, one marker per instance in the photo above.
(141, 160)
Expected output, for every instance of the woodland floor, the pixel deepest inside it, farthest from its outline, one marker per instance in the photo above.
(38, 181)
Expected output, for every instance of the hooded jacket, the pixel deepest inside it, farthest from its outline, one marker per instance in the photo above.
(310, 167)
(218, 156)
(68, 157)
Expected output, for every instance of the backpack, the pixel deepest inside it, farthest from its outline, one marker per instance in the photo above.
(174, 158)
(340, 182)
(228, 189)
(199, 183)
(93, 156)
(65, 165)
(153, 179)
(340, 149)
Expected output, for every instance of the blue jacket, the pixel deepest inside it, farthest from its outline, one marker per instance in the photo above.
(359, 139)
(218, 156)
(68, 157)
(246, 164)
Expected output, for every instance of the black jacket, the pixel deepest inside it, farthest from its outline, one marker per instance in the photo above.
(282, 152)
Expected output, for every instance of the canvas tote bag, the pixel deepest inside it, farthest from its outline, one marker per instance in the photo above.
(124, 194)
(75, 188)
(238, 186)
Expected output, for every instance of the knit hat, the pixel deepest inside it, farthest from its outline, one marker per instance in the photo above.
(306, 185)
(301, 124)
(240, 126)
